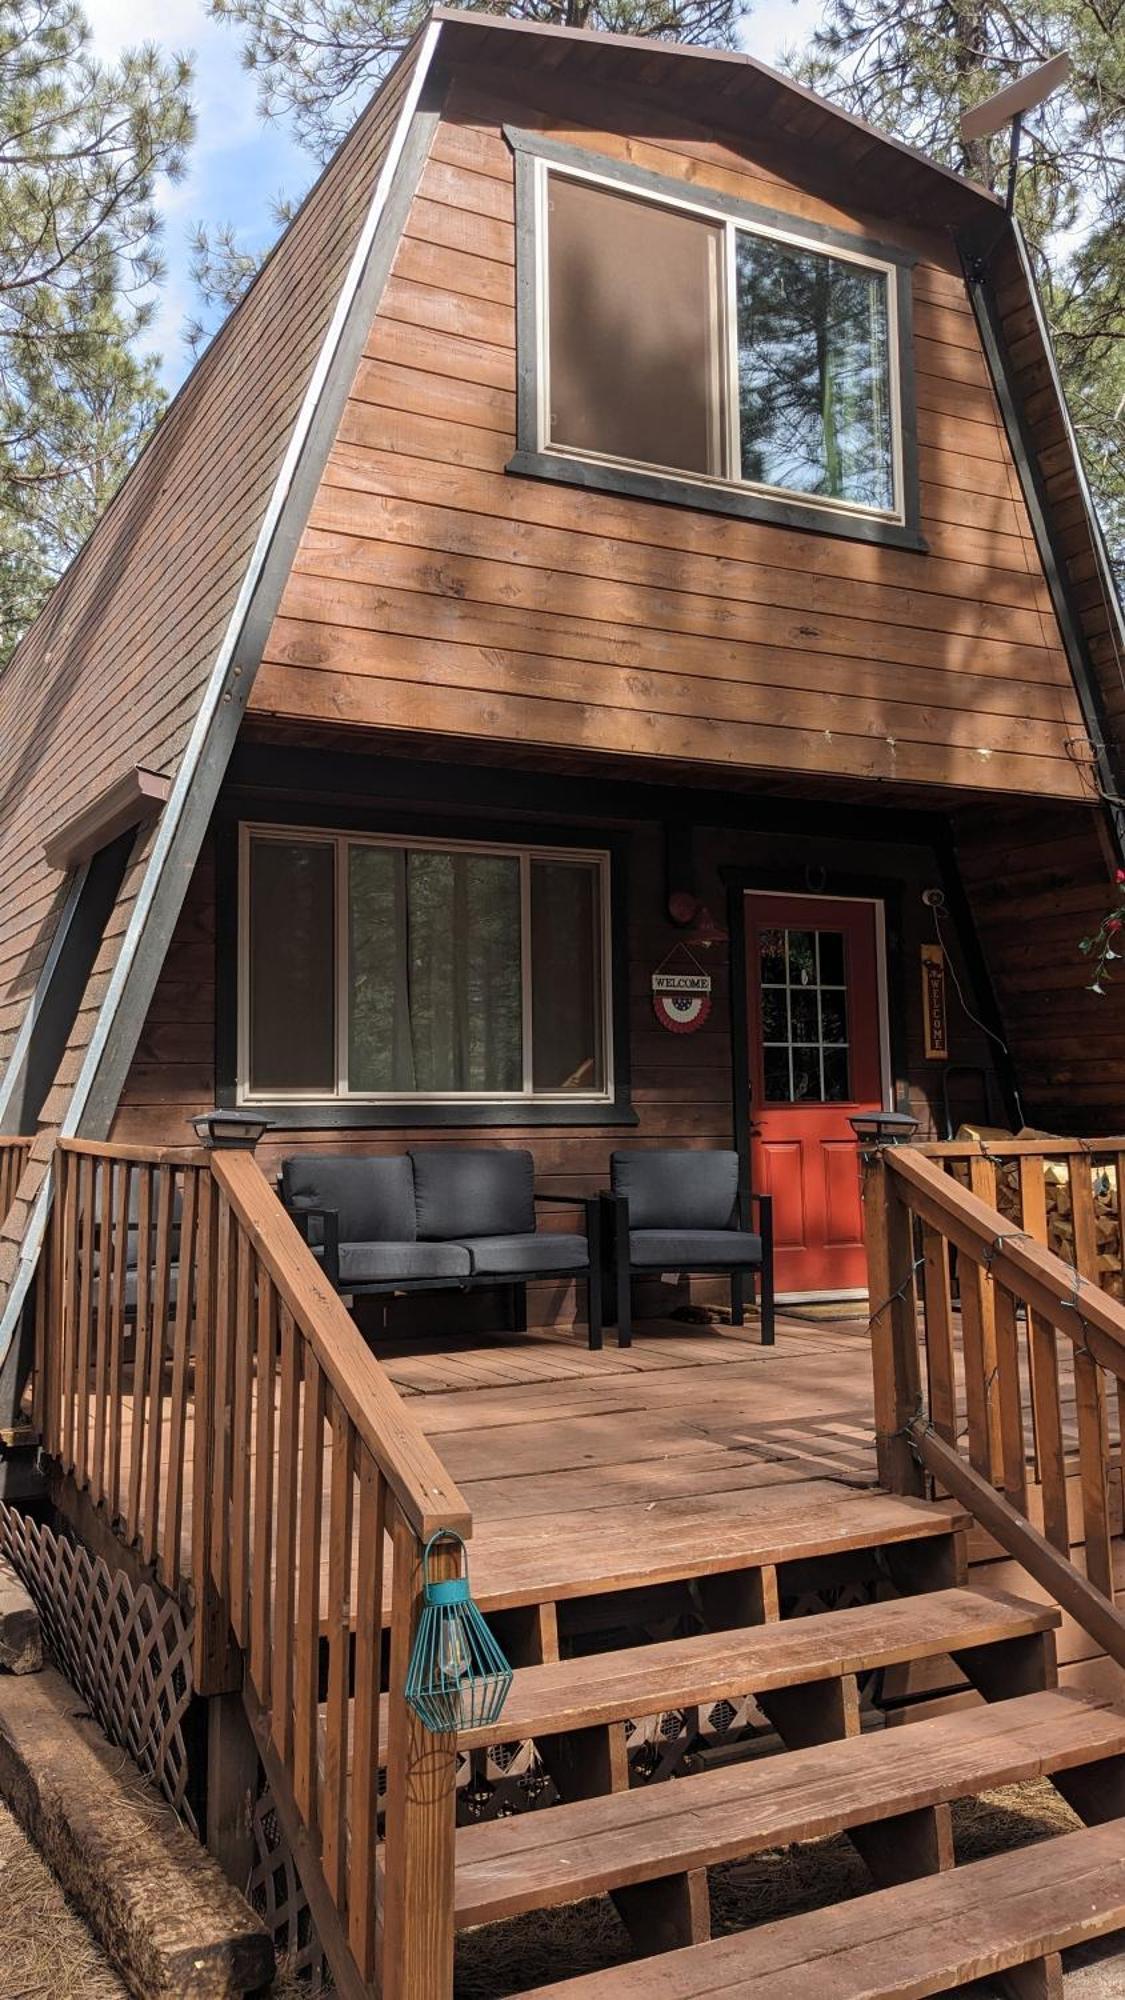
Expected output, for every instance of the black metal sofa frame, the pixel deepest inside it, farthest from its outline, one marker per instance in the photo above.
(440, 1218)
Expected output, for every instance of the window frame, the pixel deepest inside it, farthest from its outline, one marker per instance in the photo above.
(536, 158)
(406, 1104)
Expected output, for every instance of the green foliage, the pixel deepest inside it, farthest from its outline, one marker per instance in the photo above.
(317, 61)
(913, 70)
(81, 144)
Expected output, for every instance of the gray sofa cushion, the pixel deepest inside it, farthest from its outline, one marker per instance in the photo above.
(517, 1256)
(685, 1189)
(463, 1191)
(374, 1198)
(391, 1263)
(691, 1249)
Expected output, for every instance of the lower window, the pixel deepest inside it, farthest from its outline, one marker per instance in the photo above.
(391, 970)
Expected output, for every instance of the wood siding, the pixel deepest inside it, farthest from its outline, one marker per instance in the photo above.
(432, 592)
(1038, 880)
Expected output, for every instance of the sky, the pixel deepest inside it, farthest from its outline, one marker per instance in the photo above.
(239, 162)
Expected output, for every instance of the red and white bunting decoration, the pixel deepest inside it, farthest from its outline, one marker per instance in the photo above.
(681, 1000)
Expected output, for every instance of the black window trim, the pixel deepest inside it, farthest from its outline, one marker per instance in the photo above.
(333, 1113)
(681, 489)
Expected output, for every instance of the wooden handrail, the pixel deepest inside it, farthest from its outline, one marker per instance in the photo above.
(175, 1292)
(1074, 1305)
(931, 1235)
(423, 1488)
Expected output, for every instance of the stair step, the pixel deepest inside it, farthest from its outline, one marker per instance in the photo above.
(903, 1943)
(600, 1688)
(541, 1560)
(538, 1860)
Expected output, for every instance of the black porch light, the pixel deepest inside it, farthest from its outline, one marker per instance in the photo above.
(883, 1128)
(218, 1129)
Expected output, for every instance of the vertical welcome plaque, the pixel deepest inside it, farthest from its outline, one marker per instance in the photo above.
(933, 1003)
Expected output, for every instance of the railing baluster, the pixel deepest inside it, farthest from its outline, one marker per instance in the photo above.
(84, 1254)
(306, 1662)
(68, 1172)
(140, 1350)
(938, 1306)
(1043, 1363)
(169, 1567)
(241, 1413)
(338, 1624)
(1089, 1394)
(119, 1278)
(365, 1731)
(978, 1337)
(1009, 1396)
(288, 1447)
(161, 1290)
(103, 1240)
(261, 1545)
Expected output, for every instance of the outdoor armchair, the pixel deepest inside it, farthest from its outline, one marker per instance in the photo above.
(687, 1210)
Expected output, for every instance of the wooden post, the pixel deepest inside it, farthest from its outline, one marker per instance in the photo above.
(232, 1787)
(894, 1323)
(421, 1799)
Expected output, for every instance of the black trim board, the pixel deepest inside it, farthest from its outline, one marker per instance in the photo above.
(336, 1113)
(978, 250)
(532, 460)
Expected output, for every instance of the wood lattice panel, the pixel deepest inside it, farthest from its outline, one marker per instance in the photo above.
(126, 1651)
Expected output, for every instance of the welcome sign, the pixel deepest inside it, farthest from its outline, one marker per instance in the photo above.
(681, 1000)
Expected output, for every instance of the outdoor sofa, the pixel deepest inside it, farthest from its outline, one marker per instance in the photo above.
(440, 1218)
(687, 1210)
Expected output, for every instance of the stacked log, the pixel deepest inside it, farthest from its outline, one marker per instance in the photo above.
(1060, 1224)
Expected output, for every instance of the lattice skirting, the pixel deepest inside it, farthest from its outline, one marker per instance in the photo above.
(125, 1650)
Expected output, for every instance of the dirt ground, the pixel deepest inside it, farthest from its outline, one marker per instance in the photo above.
(48, 1953)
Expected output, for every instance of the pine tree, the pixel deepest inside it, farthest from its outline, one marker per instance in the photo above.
(81, 145)
(914, 70)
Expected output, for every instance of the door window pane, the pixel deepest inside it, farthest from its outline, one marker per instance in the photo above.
(292, 997)
(635, 364)
(805, 1056)
(813, 373)
(566, 986)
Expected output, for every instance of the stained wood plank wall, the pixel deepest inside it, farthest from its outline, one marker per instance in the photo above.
(433, 592)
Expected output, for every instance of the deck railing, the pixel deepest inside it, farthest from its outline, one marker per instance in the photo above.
(13, 1159)
(970, 1224)
(198, 1375)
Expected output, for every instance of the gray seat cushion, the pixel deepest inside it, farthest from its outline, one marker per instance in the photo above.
(685, 1189)
(517, 1256)
(463, 1191)
(400, 1263)
(374, 1198)
(691, 1249)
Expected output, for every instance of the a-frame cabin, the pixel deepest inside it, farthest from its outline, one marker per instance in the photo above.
(630, 531)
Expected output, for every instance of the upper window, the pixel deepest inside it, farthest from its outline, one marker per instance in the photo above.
(686, 337)
(393, 970)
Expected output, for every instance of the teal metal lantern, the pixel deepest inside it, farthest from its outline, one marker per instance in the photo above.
(457, 1678)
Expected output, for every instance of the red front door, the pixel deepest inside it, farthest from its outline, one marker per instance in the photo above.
(815, 1059)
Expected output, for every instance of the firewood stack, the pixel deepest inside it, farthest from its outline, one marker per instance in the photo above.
(1060, 1227)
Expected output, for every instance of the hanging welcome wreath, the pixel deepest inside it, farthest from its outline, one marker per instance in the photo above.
(1106, 944)
(681, 999)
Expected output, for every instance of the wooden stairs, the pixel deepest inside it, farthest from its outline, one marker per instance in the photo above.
(835, 1770)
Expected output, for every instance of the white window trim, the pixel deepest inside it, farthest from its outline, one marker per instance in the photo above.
(339, 839)
(731, 228)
